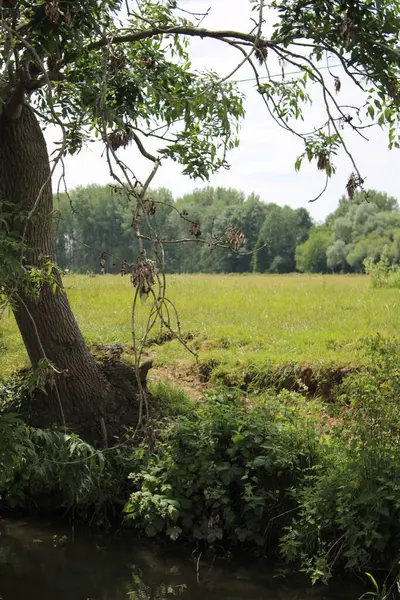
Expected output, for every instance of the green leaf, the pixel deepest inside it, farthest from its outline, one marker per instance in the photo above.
(259, 461)
(237, 438)
(150, 530)
(297, 164)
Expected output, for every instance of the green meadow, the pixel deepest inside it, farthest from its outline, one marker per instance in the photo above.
(233, 321)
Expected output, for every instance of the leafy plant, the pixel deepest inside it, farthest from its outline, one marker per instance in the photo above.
(349, 508)
(225, 472)
(379, 593)
(38, 464)
(383, 273)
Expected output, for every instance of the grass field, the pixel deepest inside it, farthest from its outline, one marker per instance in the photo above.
(235, 321)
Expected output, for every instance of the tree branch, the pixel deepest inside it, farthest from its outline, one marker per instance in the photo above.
(141, 148)
(137, 36)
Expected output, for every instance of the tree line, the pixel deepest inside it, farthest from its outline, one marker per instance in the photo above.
(359, 229)
(93, 220)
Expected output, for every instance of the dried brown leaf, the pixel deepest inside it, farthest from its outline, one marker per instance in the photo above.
(52, 11)
(195, 229)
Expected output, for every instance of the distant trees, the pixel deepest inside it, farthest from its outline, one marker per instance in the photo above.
(278, 239)
(94, 219)
(311, 255)
(282, 230)
(359, 229)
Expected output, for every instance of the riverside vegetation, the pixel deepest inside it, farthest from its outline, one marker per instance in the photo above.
(262, 464)
(273, 462)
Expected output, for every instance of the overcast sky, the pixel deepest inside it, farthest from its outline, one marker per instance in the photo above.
(264, 161)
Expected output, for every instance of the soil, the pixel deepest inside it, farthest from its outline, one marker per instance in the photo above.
(184, 377)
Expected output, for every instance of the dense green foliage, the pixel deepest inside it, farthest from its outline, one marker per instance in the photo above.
(225, 471)
(349, 507)
(278, 239)
(269, 472)
(383, 273)
(94, 219)
(359, 229)
(311, 255)
(245, 471)
(54, 469)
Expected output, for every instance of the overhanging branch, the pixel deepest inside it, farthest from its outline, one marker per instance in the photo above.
(141, 148)
(136, 36)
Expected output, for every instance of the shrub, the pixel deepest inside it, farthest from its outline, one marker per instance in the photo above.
(225, 472)
(55, 468)
(350, 506)
(383, 274)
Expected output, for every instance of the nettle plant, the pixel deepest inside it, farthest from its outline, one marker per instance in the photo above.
(119, 71)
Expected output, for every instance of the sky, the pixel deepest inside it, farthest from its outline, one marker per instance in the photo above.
(264, 161)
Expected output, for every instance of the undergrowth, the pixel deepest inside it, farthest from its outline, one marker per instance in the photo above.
(383, 273)
(225, 472)
(278, 473)
(54, 470)
(349, 508)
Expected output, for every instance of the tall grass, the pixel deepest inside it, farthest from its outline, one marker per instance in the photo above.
(234, 319)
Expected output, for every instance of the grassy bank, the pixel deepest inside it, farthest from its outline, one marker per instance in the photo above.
(276, 472)
(235, 320)
(313, 484)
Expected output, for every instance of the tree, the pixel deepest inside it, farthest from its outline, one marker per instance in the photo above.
(204, 206)
(364, 202)
(93, 219)
(311, 255)
(336, 256)
(282, 230)
(92, 71)
(362, 230)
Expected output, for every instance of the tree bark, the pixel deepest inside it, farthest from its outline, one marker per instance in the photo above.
(81, 396)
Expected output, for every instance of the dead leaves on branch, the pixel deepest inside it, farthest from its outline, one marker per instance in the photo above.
(235, 238)
(195, 229)
(143, 275)
(353, 184)
(120, 139)
(149, 208)
(53, 12)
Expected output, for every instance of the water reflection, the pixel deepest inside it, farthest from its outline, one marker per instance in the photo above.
(43, 562)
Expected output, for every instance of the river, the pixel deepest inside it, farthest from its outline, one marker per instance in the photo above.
(44, 561)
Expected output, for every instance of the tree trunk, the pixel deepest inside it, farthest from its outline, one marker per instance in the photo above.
(81, 395)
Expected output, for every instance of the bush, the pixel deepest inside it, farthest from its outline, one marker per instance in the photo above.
(350, 506)
(225, 472)
(265, 472)
(383, 274)
(55, 469)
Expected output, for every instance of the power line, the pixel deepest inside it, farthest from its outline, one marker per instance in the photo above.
(280, 74)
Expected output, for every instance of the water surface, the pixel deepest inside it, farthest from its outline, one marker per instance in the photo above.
(42, 561)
